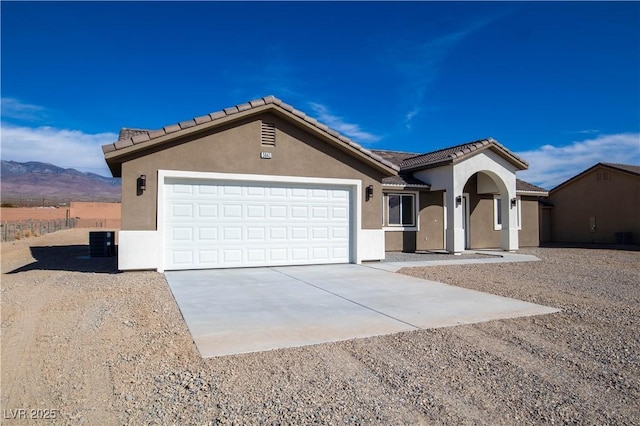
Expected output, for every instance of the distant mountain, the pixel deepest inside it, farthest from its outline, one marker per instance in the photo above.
(31, 182)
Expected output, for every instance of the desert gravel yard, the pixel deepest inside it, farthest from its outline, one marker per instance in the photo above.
(86, 345)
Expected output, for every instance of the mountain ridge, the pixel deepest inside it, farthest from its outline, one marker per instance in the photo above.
(26, 183)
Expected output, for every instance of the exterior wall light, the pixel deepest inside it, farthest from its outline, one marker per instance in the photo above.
(514, 202)
(369, 192)
(458, 200)
(141, 184)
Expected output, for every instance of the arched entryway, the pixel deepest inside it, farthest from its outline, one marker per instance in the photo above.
(482, 211)
(492, 170)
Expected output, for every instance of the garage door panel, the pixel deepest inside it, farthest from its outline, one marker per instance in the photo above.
(208, 257)
(207, 233)
(219, 224)
(207, 210)
(182, 210)
(277, 212)
(256, 212)
(299, 212)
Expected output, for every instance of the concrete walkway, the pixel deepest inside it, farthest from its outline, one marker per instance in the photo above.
(489, 257)
(230, 311)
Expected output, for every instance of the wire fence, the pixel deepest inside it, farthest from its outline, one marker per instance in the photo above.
(11, 231)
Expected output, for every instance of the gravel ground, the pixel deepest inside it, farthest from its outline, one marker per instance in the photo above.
(105, 348)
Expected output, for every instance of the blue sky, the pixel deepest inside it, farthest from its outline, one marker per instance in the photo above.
(557, 83)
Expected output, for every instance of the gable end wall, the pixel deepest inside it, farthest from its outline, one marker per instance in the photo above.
(236, 148)
(614, 203)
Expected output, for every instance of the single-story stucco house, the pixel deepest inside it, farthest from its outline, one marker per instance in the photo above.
(599, 205)
(263, 184)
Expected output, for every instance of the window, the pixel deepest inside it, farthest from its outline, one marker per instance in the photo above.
(497, 212)
(401, 210)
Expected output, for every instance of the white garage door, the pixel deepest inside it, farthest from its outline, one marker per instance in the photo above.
(222, 224)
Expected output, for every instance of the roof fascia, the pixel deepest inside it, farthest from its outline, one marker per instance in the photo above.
(320, 130)
(589, 170)
(535, 193)
(578, 176)
(507, 155)
(398, 186)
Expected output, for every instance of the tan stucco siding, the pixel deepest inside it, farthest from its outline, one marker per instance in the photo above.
(529, 235)
(482, 232)
(614, 205)
(236, 149)
(400, 241)
(430, 234)
(481, 218)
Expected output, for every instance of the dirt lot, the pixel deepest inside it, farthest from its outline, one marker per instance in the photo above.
(99, 347)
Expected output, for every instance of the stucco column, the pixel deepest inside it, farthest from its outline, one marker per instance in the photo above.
(455, 232)
(509, 232)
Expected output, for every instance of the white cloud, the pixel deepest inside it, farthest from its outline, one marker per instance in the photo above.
(14, 108)
(61, 147)
(323, 115)
(551, 165)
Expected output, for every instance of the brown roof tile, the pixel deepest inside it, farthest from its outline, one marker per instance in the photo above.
(271, 99)
(108, 148)
(123, 143)
(404, 179)
(172, 128)
(202, 119)
(187, 123)
(451, 154)
(142, 137)
(257, 102)
(156, 133)
(217, 115)
(152, 134)
(528, 187)
(244, 107)
(396, 157)
(444, 155)
(126, 133)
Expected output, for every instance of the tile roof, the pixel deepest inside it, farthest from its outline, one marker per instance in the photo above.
(131, 137)
(127, 133)
(396, 157)
(522, 186)
(404, 180)
(455, 153)
(407, 179)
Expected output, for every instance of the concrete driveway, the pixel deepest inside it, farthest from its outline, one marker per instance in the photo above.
(230, 311)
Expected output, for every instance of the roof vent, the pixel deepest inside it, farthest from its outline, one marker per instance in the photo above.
(268, 134)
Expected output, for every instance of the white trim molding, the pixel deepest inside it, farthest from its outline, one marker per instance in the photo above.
(385, 211)
(498, 226)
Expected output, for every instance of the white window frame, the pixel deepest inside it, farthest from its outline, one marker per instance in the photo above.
(498, 226)
(385, 216)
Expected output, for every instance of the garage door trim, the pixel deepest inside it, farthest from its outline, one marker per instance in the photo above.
(353, 185)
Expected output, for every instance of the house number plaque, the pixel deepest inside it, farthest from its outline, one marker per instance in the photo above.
(265, 155)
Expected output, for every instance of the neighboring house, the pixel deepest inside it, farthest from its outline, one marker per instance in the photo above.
(262, 184)
(599, 205)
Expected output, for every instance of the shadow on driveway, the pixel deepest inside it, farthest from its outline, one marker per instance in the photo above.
(68, 258)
